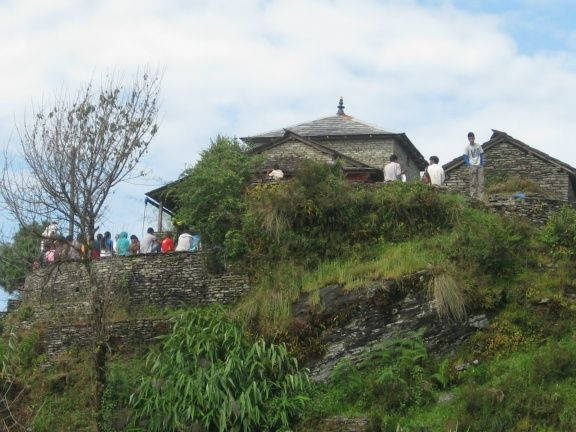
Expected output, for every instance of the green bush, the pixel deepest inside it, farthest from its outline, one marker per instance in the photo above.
(390, 379)
(487, 243)
(208, 373)
(319, 215)
(560, 233)
(211, 194)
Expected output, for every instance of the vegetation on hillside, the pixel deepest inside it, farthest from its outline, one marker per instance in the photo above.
(18, 255)
(234, 369)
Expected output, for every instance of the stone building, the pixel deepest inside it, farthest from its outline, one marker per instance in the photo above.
(506, 156)
(362, 149)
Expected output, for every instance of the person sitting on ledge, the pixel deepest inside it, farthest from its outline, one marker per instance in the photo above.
(134, 245)
(184, 242)
(149, 243)
(123, 244)
(276, 173)
(167, 245)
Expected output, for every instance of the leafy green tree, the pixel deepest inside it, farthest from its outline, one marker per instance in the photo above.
(208, 375)
(17, 256)
(211, 194)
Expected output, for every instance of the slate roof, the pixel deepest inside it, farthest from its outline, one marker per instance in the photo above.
(499, 137)
(336, 125)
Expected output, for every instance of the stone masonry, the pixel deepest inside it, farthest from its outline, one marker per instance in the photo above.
(505, 159)
(534, 208)
(174, 279)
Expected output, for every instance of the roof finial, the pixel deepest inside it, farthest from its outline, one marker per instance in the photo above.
(341, 106)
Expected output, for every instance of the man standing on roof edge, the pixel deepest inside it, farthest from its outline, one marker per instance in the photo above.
(474, 159)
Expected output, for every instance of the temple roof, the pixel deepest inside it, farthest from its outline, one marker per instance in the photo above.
(336, 125)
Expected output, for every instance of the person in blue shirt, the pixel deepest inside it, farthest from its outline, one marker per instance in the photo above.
(474, 160)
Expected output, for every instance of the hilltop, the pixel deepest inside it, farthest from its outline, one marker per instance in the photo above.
(412, 308)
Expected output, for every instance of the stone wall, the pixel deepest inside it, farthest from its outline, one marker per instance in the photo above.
(57, 339)
(64, 291)
(505, 159)
(289, 155)
(534, 208)
(373, 152)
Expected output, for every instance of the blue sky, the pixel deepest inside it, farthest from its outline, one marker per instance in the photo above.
(433, 69)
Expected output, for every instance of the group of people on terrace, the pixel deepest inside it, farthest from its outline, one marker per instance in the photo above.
(434, 174)
(54, 247)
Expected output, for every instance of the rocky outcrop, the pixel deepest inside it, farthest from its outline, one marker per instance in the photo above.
(344, 424)
(347, 323)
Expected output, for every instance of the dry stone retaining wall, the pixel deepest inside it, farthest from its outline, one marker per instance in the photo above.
(174, 279)
(534, 208)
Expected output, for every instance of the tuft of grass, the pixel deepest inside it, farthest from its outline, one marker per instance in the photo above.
(448, 297)
(513, 184)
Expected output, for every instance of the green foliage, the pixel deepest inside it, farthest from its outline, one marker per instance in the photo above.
(319, 215)
(208, 373)
(16, 257)
(210, 195)
(560, 233)
(532, 391)
(269, 305)
(487, 243)
(390, 379)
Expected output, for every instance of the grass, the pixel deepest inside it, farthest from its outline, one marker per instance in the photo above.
(513, 184)
(268, 308)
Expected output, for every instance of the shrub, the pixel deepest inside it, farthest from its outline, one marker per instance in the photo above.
(208, 373)
(391, 378)
(489, 243)
(211, 193)
(560, 233)
(319, 215)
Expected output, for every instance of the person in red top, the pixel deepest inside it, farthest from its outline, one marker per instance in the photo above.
(167, 245)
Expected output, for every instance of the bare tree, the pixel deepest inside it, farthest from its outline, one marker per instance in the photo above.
(73, 154)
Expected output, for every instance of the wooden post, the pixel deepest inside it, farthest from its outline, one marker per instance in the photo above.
(160, 214)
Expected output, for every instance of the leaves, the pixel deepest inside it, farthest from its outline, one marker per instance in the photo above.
(214, 375)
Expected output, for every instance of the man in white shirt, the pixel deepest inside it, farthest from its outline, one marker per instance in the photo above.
(474, 159)
(393, 170)
(435, 172)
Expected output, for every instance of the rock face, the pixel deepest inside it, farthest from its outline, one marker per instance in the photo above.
(357, 320)
(343, 424)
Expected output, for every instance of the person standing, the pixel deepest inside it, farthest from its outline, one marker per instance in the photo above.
(474, 159)
(393, 170)
(435, 172)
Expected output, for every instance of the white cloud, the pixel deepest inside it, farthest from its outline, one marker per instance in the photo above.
(244, 67)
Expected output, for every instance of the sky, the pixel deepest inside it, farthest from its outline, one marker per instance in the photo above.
(431, 68)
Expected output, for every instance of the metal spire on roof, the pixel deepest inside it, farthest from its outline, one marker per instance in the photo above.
(341, 106)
